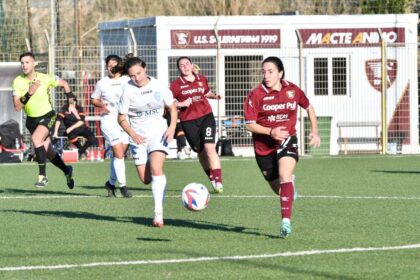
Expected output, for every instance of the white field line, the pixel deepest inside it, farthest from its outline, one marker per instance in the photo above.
(219, 196)
(219, 258)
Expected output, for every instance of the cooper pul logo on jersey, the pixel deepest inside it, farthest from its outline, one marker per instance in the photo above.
(281, 106)
(373, 69)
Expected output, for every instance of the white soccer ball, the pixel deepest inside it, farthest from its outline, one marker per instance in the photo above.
(195, 196)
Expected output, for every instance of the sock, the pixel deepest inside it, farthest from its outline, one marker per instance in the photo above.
(119, 167)
(58, 161)
(209, 174)
(41, 158)
(158, 189)
(112, 175)
(217, 175)
(286, 199)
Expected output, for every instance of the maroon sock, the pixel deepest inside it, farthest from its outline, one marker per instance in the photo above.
(217, 175)
(286, 199)
(209, 174)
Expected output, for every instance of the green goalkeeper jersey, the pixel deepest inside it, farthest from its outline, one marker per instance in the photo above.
(40, 102)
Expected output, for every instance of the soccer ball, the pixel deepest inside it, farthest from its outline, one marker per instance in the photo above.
(195, 197)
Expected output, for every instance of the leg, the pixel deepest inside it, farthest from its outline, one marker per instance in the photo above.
(56, 159)
(213, 161)
(157, 159)
(286, 168)
(38, 139)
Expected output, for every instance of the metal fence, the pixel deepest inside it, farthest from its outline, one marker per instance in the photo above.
(347, 100)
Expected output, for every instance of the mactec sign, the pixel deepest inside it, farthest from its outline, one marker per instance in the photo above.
(350, 37)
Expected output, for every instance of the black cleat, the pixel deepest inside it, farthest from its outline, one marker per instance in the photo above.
(125, 192)
(110, 189)
(69, 177)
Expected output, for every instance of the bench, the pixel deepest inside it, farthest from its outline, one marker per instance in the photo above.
(373, 137)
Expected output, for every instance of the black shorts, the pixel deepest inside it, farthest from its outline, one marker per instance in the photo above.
(47, 120)
(200, 131)
(82, 131)
(269, 165)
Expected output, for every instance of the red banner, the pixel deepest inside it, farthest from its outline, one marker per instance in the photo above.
(229, 39)
(350, 37)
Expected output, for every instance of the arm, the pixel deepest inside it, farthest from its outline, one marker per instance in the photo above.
(277, 133)
(213, 95)
(122, 120)
(314, 139)
(56, 127)
(62, 83)
(74, 126)
(99, 104)
(169, 134)
(20, 101)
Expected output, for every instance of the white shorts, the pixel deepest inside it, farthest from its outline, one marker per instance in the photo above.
(140, 153)
(113, 132)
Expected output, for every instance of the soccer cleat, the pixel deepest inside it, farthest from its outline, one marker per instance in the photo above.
(125, 192)
(295, 191)
(110, 189)
(42, 182)
(187, 151)
(218, 187)
(158, 220)
(180, 155)
(69, 177)
(286, 229)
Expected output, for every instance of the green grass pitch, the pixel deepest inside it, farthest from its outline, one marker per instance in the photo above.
(356, 218)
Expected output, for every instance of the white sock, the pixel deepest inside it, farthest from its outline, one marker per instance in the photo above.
(119, 167)
(112, 175)
(158, 189)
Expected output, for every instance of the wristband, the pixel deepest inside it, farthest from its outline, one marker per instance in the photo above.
(271, 130)
(24, 99)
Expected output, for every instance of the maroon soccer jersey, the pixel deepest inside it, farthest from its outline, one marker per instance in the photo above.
(272, 108)
(183, 89)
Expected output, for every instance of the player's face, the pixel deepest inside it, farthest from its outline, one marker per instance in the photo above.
(138, 75)
(272, 75)
(111, 64)
(185, 67)
(27, 63)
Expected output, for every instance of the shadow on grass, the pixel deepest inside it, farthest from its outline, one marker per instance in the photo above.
(201, 225)
(398, 171)
(41, 192)
(103, 188)
(153, 239)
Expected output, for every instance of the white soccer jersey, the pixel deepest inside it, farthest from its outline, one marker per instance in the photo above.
(144, 106)
(110, 91)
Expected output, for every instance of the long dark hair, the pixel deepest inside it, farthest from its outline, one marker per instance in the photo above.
(277, 62)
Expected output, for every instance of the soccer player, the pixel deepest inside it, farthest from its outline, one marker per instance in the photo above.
(270, 112)
(140, 111)
(191, 91)
(73, 117)
(31, 92)
(106, 96)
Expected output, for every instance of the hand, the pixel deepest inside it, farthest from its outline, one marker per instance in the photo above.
(314, 140)
(169, 135)
(217, 96)
(138, 139)
(186, 103)
(279, 133)
(34, 87)
(105, 107)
